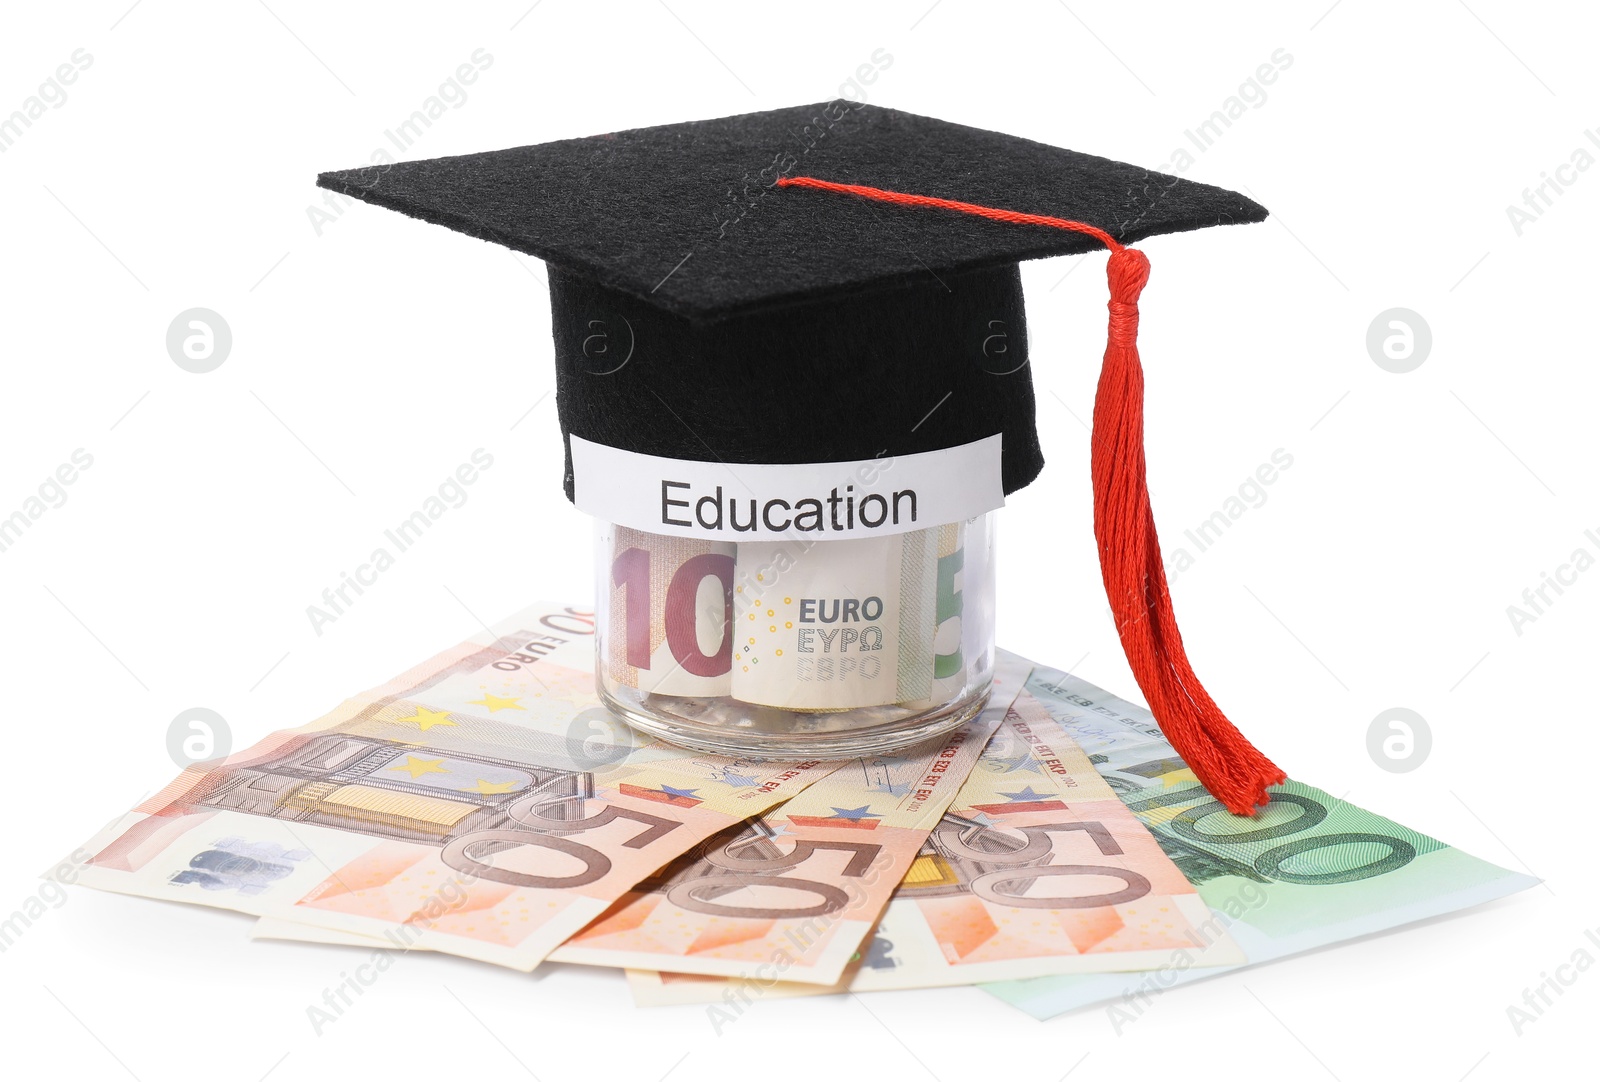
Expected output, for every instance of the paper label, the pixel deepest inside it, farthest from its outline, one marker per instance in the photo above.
(874, 497)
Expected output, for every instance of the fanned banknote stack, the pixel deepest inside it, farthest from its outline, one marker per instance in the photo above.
(1053, 850)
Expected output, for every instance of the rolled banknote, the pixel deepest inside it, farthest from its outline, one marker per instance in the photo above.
(844, 624)
(478, 805)
(795, 625)
(670, 605)
(950, 663)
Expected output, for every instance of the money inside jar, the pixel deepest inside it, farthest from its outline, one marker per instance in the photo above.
(848, 624)
(810, 639)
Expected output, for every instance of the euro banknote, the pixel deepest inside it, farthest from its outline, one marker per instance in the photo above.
(848, 623)
(481, 804)
(1037, 868)
(668, 604)
(797, 889)
(801, 626)
(735, 906)
(1307, 871)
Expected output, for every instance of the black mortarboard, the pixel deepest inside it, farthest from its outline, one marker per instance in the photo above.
(748, 315)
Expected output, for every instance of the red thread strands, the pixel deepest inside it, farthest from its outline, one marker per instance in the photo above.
(1015, 217)
(1130, 552)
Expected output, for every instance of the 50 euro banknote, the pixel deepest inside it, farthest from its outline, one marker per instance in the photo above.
(1038, 868)
(482, 804)
(799, 886)
(1306, 871)
(802, 885)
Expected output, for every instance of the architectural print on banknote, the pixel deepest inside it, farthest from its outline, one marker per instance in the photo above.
(383, 788)
(471, 798)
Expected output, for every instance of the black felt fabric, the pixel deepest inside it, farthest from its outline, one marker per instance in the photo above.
(700, 312)
(686, 214)
(883, 373)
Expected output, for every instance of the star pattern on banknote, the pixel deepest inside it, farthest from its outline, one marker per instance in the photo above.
(687, 794)
(426, 719)
(737, 781)
(1026, 795)
(1025, 761)
(493, 788)
(495, 702)
(418, 767)
(855, 815)
(892, 788)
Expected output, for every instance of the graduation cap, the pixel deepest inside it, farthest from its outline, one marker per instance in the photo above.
(839, 282)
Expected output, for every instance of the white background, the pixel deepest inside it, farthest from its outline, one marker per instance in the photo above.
(368, 362)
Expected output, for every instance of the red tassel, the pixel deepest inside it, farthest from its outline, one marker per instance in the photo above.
(1130, 553)
(1130, 563)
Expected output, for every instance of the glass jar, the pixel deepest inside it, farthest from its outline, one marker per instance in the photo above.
(824, 649)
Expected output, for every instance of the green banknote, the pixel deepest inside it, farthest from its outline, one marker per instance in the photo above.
(1307, 871)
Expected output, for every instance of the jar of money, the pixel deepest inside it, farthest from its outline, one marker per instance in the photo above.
(797, 648)
(794, 501)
